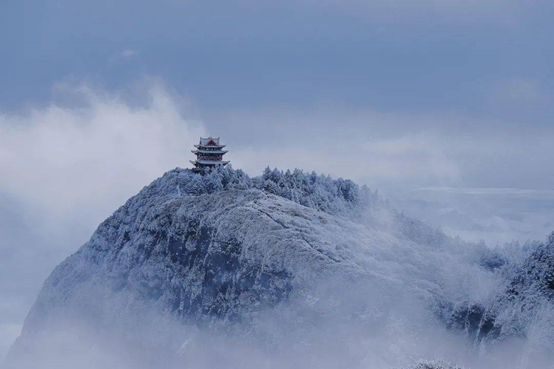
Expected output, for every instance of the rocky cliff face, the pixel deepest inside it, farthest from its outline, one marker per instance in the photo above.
(203, 248)
(263, 259)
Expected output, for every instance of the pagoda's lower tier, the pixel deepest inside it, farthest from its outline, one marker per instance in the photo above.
(209, 162)
(203, 165)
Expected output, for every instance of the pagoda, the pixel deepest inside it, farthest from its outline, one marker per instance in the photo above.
(209, 154)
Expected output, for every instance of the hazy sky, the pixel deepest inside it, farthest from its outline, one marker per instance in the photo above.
(445, 106)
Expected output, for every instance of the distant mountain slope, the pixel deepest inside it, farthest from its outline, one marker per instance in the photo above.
(526, 307)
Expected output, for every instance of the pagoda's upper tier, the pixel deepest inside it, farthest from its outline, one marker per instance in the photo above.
(212, 151)
(211, 142)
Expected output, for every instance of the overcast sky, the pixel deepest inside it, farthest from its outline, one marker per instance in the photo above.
(444, 106)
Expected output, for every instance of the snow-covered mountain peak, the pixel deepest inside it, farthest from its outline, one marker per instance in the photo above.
(270, 263)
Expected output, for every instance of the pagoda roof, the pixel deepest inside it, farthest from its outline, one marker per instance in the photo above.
(209, 141)
(210, 146)
(209, 162)
(209, 151)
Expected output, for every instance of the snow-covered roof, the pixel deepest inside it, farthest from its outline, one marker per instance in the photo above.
(209, 141)
(209, 162)
(209, 151)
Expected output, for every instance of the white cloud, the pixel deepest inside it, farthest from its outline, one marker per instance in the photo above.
(496, 215)
(406, 158)
(346, 141)
(76, 164)
(520, 193)
(128, 53)
(65, 169)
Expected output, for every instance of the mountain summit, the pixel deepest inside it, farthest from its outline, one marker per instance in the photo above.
(288, 269)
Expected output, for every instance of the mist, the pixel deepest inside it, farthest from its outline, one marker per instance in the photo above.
(69, 164)
(354, 325)
(66, 167)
